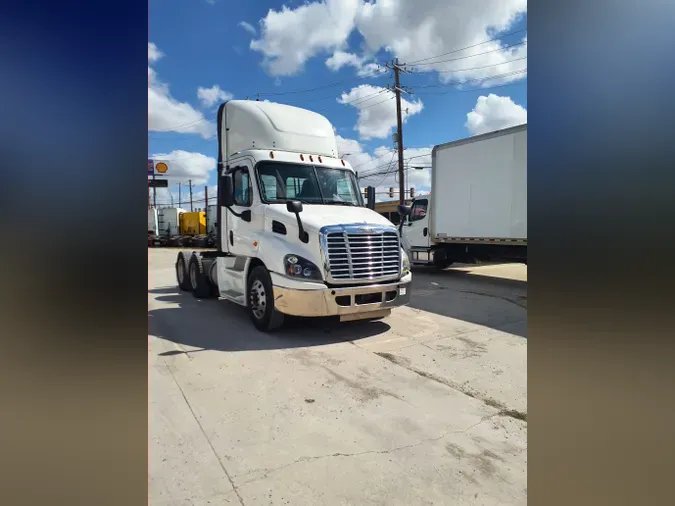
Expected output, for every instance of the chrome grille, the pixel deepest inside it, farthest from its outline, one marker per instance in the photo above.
(362, 254)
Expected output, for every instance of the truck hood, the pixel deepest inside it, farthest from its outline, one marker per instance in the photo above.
(315, 216)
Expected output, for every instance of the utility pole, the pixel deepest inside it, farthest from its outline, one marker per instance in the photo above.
(397, 68)
(180, 202)
(190, 181)
(206, 208)
(154, 191)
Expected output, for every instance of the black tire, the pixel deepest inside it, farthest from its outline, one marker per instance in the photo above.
(441, 262)
(182, 273)
(199, 281)
(260, 301)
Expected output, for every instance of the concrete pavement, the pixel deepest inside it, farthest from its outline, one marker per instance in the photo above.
(425, 407)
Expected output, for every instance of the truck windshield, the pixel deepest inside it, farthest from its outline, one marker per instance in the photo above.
(311, 184)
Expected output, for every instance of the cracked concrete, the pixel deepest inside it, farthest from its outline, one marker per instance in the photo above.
(231, 420)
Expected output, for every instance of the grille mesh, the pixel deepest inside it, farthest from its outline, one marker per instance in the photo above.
(363, 256)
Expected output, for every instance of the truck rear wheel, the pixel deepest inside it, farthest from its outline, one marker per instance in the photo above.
(199, 282)
(260, 301)
(182, 273)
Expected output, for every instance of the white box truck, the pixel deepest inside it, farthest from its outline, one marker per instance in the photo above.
(477, 208)
(293, 235)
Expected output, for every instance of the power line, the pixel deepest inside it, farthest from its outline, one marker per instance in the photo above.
(389, 171)
(323, 87)
(469, 47)
(476, 80)
(501, 48)
(370, 174)
(483, 67)
(426, 94)
(371, 160)
(376, 103)
(173, 128)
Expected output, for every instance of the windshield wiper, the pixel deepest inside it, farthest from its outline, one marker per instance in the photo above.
(341, 203)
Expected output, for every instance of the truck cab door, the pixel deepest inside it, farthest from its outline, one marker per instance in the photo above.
(239, 228)
(416, 228)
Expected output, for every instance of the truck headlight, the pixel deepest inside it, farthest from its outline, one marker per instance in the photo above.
(298, 267)
(405, 262)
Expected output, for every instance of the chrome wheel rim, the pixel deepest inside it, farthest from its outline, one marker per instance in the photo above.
(180, 272)
(193, 275)
(257, 299)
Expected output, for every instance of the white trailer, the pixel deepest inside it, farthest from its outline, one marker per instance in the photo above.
(477, 209)
(211, 219)
(152, 221)
(293, 236)
(169, 221)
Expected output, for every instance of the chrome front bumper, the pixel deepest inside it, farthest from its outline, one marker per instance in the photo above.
(362, 301)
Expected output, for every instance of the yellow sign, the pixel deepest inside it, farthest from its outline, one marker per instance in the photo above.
(161, 167)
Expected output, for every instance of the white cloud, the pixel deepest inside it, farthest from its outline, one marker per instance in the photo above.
(211, 96)
(364, 68)
(416, 31)
(494, 113)
(154, 54)
(165, 113)
(377, 110)
(412, 31)
(185, 165)
(380, 168)
(248, 27)
(289, 37)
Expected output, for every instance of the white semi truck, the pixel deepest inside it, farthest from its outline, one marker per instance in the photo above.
(477, 208)
(293, 236)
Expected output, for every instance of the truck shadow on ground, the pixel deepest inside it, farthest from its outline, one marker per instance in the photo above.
(209, 324)
(489, 301)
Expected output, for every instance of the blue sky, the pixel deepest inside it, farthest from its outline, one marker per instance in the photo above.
(332, 45)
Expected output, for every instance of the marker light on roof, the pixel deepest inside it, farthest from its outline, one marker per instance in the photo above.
(271, 154)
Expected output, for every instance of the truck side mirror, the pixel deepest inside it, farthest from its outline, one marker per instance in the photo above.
(226, 191)
(403, 210)
(294, 206)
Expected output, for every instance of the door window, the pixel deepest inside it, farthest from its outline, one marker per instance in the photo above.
(419, 210)
(242, 187)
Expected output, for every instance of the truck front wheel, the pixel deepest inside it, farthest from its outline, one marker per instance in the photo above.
(260, 301)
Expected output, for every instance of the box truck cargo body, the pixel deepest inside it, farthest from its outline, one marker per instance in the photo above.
(477, 208)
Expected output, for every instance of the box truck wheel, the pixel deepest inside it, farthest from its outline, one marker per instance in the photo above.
(260, 301)
(441, 259)
(199, 282)
(181, 272)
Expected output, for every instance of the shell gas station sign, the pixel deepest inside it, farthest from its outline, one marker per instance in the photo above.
(156, 168)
